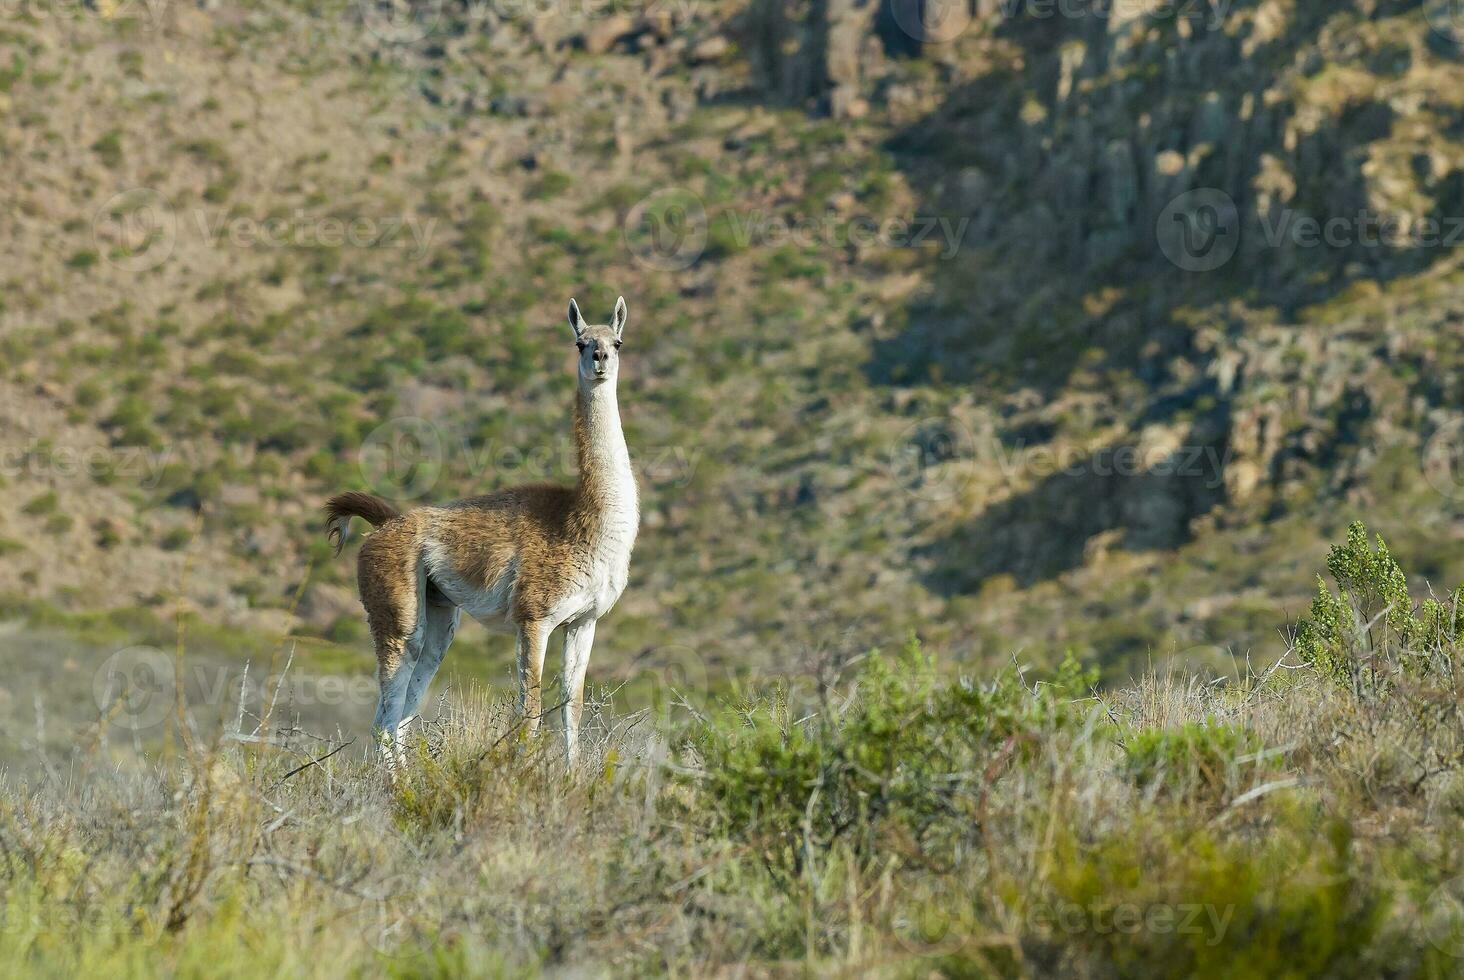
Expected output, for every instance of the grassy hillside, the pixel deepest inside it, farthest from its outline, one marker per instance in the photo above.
(924, 367)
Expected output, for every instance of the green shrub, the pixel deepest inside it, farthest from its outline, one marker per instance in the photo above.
(176, 539)
(726, 235)
(131, 421)
(108, 537)
(906, 755)
(46, 503)
(1147, 901)
(1196, 762)
(550, 184)
(89, 393)
(1371, 618)
(109, 148)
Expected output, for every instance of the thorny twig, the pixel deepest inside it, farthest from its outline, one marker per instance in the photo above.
(314, 762)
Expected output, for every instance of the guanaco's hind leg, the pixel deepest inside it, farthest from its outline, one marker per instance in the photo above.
(393, 673)
(441, 625)
(393, 592)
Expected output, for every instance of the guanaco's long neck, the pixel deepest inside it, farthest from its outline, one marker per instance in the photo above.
(606, 482)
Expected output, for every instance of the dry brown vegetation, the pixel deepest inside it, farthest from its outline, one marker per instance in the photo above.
(888, 821)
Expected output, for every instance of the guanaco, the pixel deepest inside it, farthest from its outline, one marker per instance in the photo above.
(525, 560)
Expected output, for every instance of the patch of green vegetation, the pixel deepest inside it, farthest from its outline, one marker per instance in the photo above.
(175, 539)
(852, 779)
(42, 504)
(1372, 617)
(59, 524)
(549, 185)
(108, 148)
(1193, 761)
(1296, 902)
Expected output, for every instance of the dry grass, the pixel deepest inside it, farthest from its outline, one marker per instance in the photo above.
(1278, 825)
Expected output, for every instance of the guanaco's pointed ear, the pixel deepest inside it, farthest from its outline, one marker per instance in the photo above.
(575, 320)
(617, 322)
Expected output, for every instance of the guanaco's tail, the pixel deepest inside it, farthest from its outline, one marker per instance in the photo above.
(353, 503)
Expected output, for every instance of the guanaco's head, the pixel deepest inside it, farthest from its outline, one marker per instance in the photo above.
(599, 345)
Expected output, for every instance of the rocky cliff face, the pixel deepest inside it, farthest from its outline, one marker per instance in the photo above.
(1204, 227)
(1210, 204)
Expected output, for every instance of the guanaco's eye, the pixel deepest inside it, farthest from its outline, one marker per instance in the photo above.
(617, 345)
(582, 345)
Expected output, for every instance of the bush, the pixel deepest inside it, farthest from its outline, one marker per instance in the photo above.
(1371, 620)
(109, 149)
(908, 754)
(550, 185)
(46, 503)
(1194, 762)
(176, 539)
(1147, 901)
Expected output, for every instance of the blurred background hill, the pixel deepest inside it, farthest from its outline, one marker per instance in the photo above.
(1025, 327)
